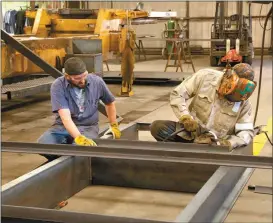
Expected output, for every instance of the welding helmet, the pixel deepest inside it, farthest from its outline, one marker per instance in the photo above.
(237, 83)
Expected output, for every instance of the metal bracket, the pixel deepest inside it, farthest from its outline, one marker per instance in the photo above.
(260, 189)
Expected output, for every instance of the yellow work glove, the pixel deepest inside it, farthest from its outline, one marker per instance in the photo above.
(83, 141)
(224, 142)
(115, 130)
(189, 123)
(207, 138)
(203, 139)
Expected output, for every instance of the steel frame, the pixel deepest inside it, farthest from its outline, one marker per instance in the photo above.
(34, 195)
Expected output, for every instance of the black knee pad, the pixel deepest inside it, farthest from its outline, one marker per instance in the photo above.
(155, 127)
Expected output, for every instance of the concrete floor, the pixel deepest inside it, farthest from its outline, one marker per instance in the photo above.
(149, 103)
(129, 202)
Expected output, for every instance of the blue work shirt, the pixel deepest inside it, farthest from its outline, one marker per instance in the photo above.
(63, 96)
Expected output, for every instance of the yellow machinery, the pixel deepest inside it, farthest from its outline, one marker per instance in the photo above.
(51, 33)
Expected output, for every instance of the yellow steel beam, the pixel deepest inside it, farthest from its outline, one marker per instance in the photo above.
(73, 25)
(123, 14)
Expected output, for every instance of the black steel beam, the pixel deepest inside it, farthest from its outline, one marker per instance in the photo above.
(151, 175)
(138, 151)
(28, 214)
(216, 198)
(21, 48)
(49, 184)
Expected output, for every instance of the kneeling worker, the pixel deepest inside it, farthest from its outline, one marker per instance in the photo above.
(74, 98)
(219, 109)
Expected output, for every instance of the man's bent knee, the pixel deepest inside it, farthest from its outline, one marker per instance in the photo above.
(161, 129)
(155, 128)
(48, 138)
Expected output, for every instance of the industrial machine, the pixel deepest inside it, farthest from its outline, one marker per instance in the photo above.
(52, 33)
(235, 30)
(61, 25)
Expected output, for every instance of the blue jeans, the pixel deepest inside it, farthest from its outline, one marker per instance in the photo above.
(58, 135)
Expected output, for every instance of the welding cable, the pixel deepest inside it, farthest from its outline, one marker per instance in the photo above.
(261, 67)
(260, 19)
(173, 134)
(268, 138)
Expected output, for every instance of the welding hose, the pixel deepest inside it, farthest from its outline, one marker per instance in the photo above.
(262, 60)
(268, 138)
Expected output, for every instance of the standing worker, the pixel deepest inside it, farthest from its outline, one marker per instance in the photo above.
(219, 111)
(74, 98)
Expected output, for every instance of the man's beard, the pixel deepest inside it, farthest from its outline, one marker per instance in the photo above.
(78, 86)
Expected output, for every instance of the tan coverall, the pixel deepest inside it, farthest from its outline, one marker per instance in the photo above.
(228, 120)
